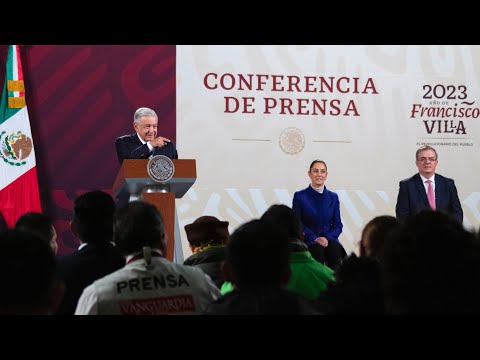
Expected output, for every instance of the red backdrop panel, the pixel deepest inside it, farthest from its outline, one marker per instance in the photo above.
(80, 98)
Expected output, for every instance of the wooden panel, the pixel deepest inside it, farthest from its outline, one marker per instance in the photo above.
(165, 203)
(137, 168)
(133, 177)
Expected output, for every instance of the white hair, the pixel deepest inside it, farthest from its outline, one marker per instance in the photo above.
(143, 111)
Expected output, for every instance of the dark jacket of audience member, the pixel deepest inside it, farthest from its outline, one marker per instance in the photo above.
(41, 225)
(308, 277)
(149, 284)
(358, 289)
(257, 263)
(27, 275)
(207, 237)
(93, 224)
(359, 286)
(431, 266)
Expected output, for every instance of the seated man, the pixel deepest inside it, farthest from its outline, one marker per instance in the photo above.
(309, 278)
(431, 267)
(207, 237)
(40, 224)
(96, 256)
(144, 143)
(27, 275)
(257, 263)
(149, 284)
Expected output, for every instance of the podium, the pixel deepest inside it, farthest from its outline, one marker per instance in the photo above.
(134, 183)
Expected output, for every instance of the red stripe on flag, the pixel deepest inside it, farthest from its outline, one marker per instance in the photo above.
(19, 63)
(19, 68)
(20, 197)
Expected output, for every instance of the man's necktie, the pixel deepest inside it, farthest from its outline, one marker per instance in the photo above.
(431, 195)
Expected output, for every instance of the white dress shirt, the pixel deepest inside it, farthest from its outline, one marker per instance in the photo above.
(425, 184)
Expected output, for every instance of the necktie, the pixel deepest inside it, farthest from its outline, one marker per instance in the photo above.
(430, 195)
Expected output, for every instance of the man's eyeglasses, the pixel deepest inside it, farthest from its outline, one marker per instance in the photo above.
(424, 159)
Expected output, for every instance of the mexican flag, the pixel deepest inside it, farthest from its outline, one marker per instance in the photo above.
(18, 173)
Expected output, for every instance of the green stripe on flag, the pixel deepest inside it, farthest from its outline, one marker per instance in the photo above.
(6, 112)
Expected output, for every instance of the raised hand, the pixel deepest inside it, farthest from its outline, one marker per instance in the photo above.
(159, 141)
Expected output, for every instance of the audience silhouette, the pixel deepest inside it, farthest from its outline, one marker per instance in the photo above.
(149, 284)
(431, 266)
(257, 263)
(40, 224)
(207, 237)
(27, 275)
(96, 256)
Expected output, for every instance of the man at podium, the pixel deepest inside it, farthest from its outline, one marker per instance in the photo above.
(144, 143)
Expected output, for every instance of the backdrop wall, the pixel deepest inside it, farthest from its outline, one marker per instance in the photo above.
(255, 117)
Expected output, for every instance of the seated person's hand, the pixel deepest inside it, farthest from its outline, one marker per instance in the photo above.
(322, 241)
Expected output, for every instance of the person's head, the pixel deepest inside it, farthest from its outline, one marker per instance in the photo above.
(426, 160)
(205, 231)
(41, 225)
(374, 235)
(257, 256)
(145, 122)
(27, 274)
(318, 173)
(282, 215)
(429, 267)
(93, 217)
(358, 289)
(137, 225)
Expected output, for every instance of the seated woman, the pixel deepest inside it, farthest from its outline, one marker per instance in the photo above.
(207, 237)
(319, 212)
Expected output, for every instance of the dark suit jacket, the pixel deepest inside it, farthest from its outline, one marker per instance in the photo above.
(318, 213)
(82, 268)
(130, 147)
(412, 197)
(210, 261)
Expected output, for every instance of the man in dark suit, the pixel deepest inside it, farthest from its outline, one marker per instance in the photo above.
(27, 275)
(96, 257)
(427, 190)
(145, 142)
